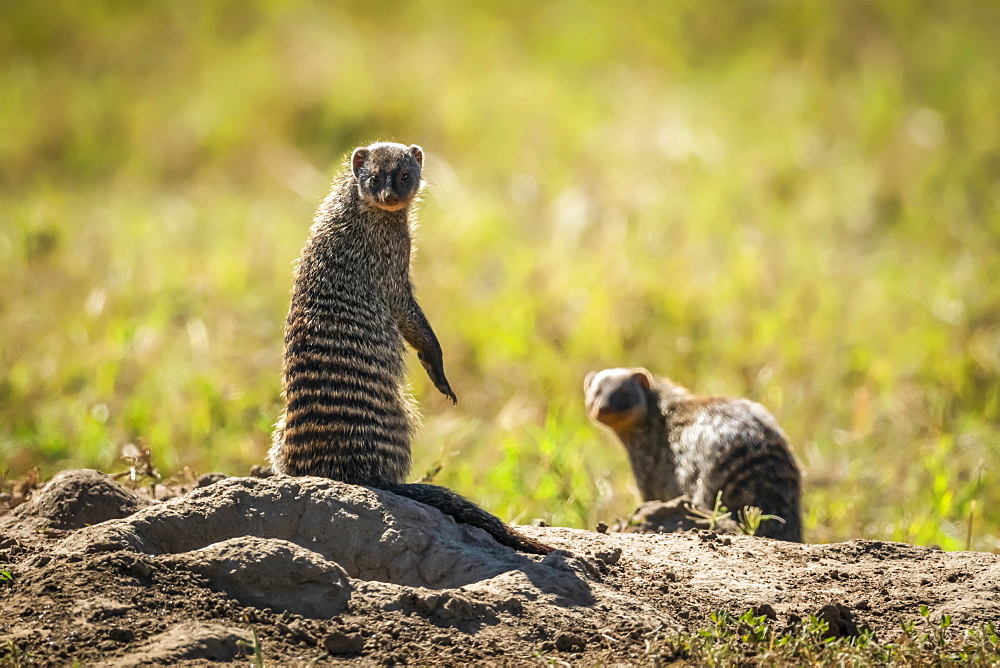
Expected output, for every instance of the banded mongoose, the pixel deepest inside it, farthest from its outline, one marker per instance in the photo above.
(682, 443)
(347, 413)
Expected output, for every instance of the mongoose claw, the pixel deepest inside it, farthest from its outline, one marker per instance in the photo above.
(445, 389)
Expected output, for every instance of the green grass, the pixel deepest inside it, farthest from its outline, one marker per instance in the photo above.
(752, 641)
(794, 202)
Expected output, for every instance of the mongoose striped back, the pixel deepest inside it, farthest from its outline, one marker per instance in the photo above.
(680, 443)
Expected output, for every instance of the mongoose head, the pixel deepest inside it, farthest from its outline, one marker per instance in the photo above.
(617, 397)
(388, 174)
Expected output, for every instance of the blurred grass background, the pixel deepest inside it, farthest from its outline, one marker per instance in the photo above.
(794, 202)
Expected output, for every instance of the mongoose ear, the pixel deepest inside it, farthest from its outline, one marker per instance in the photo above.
(588, 380)
(643, 377)
(358, 159)
(418, 155)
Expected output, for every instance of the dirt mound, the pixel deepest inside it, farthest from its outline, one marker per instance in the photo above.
(75, 499)
(323, 570)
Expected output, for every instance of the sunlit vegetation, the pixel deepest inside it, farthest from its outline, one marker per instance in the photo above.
(794, 202)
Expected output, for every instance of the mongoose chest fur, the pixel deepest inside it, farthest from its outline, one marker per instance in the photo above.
(682, 443)
(347, 414)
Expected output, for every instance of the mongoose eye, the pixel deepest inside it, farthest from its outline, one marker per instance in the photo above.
(374, 179)
(405, 176)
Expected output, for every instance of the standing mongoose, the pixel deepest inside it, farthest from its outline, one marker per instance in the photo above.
(682, 443)
(347, 413)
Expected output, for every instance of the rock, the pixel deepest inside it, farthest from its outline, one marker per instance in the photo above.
(339, 642)
(207, 479)
(840, 620)
(570, 642)
(610, 557)
(765, 610)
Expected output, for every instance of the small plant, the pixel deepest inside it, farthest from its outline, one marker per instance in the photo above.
(185, 477)
(20, 490)
(16, 657)
(256, 646)
(938, 632)
(431, 473)
(709, 517)
(5, 576)
(140, 458)
(751, 517)
(972, 509)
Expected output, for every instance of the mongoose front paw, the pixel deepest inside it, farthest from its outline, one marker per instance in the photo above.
(435, 371)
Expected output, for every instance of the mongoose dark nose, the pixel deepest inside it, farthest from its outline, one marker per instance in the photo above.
(620, 401)
(391, 200)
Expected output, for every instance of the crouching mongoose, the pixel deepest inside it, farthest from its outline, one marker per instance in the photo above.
(680, 443)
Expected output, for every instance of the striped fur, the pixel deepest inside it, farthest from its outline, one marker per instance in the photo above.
(347, 414)
(680, 443)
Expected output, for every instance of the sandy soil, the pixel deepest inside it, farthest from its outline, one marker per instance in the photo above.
(324, 571)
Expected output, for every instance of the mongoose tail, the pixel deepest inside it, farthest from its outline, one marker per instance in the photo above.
(465, 512)
(682, 443)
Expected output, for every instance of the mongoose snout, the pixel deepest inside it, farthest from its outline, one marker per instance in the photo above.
(618, 405)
